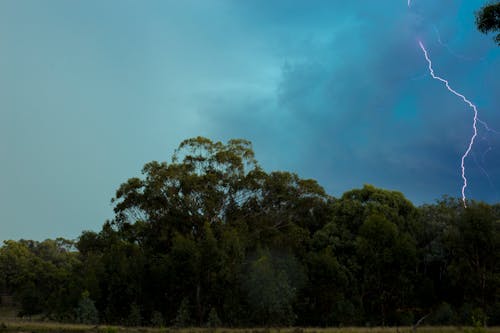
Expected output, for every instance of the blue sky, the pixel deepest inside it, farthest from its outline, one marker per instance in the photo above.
(334, 90)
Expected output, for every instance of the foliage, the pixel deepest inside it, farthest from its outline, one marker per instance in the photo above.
(443, 315)
(157, 319)
(488, 19)
(478, 324)
(111, 330)
(270, 293)
(211, 238)
(134, 317)
(86, 312)
(183, 318)
(213, 319)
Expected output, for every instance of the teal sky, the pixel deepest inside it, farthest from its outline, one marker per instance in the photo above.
(337, 91)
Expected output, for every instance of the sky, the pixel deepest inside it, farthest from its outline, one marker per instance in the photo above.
(338, 91)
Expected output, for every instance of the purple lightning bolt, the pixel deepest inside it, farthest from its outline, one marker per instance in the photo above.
(485, 124)
(450, 50)
(474, 108)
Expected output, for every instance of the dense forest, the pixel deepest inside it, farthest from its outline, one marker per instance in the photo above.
(210, 238)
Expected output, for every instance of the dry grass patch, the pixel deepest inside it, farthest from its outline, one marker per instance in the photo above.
(19, 326)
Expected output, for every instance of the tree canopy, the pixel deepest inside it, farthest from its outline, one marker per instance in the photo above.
(488, 19)
(210, 238)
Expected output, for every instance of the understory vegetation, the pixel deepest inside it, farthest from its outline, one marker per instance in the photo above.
(211, 239)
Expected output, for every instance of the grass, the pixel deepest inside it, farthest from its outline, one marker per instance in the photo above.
(10, 323)
(51, 327)
(8, 314)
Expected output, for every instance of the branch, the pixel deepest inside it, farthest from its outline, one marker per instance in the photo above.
(414, 327)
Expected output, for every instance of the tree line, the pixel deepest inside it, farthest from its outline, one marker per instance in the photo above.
(210, 238)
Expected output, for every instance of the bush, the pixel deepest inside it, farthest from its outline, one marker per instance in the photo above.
(213, 319)
(86, 312)
(405, 318)
(478, 317)
(157, 319)
(111, 330)
(183, 318)
(478, 323)
(134, 318)
(444, 315)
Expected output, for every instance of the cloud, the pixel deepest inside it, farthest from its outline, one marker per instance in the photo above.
(355, 114)
(337, 91)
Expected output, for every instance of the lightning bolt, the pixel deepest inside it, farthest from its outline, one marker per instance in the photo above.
(449, 49)
(474, 123)
(484, 170)
(483, 156)
(485, 124)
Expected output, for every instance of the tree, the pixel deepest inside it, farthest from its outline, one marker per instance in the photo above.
(210, 237)
(204, 182)
(270, 292)
(372, 234)
(488, 19)
(15, 265)
(39, 276)
(327, 303)
(200, 215)
(475, 244)
(388, 257)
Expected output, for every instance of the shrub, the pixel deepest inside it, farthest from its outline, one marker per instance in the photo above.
(213, 319)
(157, 319)
(183, 318)
(111, 330)
(478, 323)
(86, 312)
(444, 315)
(134, 318)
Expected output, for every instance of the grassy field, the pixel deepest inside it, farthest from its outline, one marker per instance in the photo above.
(49, 327)
(9, 322)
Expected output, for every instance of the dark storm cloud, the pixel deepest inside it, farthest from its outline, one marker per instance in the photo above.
(359, 106)
(335, 90)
